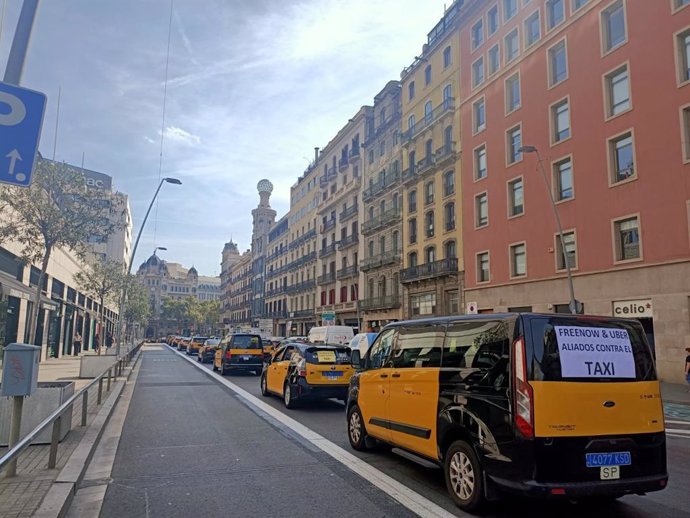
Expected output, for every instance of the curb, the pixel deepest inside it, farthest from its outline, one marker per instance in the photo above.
(57, 501)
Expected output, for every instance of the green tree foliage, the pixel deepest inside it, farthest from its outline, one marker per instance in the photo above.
(138, 305)
(202, 316)
(56, 211)
(103, 280)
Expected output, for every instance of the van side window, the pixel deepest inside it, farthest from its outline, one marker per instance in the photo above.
(476, 344)
(379, 352)
(418, 346)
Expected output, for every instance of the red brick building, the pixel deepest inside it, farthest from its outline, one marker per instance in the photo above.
(601, 89)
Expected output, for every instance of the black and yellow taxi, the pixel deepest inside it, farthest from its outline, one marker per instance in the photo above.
(547, 405)
(183, 343)
(207, 352)
(239, 352)
(301, 371)
(195, 343)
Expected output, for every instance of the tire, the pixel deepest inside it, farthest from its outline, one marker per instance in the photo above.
(258, 372)
(264, 387)
(464, 477)
(356, 431)
(289, 396)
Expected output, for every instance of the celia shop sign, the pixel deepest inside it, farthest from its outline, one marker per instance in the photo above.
(633, 308)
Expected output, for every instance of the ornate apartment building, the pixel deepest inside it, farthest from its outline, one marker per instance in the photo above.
(338, 222)
(432, 273)
(276, 288)
(381, 297)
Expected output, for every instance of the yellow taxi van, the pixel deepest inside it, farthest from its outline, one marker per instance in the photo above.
(548, 405)
(302, 371)
(239, 352)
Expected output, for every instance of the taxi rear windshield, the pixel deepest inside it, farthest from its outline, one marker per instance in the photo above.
(246, 342)
(200, 340)
(589, 350)
(338, 356)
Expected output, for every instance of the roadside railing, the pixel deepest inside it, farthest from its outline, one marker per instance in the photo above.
(55, 419)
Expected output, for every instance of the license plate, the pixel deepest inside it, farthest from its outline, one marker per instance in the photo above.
(620, 458)
(334, 374)
(246, 358)
(609, 472)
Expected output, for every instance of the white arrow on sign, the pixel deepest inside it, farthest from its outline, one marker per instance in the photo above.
(13, 156)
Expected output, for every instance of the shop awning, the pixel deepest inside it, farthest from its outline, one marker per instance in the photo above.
(14, 288)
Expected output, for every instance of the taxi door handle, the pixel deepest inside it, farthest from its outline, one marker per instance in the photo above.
(395, 375)
(383, 375)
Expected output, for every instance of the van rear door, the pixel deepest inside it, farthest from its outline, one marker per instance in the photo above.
(595, 388)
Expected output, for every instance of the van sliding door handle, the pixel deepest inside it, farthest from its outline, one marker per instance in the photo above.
(383, 375)
(396, 375)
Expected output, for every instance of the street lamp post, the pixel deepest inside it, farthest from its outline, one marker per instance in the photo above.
(173, 181)
(575, 305)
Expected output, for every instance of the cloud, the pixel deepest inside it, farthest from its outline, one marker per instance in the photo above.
(179, 135)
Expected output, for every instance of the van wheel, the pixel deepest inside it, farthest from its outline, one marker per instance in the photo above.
(288, 396)
(464, 477)
(264, 387)
(356, 432)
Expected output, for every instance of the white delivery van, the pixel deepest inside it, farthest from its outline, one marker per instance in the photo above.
(330, 335)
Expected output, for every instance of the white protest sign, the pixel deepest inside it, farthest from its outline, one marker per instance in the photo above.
(595, 352)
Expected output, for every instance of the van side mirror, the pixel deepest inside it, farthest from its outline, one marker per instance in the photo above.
(356, 359)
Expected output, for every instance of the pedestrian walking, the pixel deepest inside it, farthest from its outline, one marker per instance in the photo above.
(77, 342)
(97, 342)
(687, 366)
(109, 340)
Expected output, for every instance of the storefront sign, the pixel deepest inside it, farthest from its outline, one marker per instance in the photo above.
(633, 308)
(19, 294)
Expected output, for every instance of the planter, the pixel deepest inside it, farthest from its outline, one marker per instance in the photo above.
(44, 401)
(92, 365)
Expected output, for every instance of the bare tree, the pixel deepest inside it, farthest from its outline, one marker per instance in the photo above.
(104, 281)
(56, 211)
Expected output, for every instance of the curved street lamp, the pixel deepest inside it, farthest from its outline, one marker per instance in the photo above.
(575, 305)
(173, 181)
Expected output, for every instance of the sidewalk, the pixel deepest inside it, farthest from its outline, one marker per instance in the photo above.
(675, 393)
(21, 496)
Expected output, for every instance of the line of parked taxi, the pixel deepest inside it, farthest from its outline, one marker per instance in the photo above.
(544, 405)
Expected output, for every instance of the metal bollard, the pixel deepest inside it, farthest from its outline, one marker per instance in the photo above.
(84, 406)
(100, 390)
(54, 440)
(110, 374)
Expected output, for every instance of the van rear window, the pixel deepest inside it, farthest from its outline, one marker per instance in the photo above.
(338, 356)
(587, 349)
(246, 342)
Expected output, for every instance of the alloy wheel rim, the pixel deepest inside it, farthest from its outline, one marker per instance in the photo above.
(263, 384)
(287, 394)
(355, 424)
(462, 477)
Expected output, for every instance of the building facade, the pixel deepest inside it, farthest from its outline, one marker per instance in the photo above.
(276, 284)
(583, 92)
(432, 273)
(338, 222)
(381, 257)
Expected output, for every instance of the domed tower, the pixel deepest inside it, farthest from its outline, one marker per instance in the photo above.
(192, 274)
(263, 217)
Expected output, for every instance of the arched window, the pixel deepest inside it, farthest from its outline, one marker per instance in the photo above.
(449, 216)
(448, 183)
(429, 224)
(450, 250)
(370, 288)
(412, 259)
(429, 254)
(428, 110)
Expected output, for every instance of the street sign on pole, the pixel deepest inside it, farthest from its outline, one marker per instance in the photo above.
(21, 118)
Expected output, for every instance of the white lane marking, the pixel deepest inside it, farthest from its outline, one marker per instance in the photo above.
(404, 495)
(678, 431)
(668, 421)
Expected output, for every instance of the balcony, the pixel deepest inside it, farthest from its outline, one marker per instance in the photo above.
(303, 313)
(328, 225)
(378, 261)
(387, 302)
(300, 286)
(276, 314)
(354, 154)
(343, 163)
(298, 263)
(327, 278)
(331, 174)
(348, 241)
(376, 188)
(302, 239)
(381, 221)
(426, 164)
(446, 107)
(348, 212)
(410, 174)
(347, 272)
(441, 268)
(277, 271)
(327, 250)
(445, 154)
(274, 292)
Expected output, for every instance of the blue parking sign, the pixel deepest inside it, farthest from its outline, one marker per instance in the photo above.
(21, 118)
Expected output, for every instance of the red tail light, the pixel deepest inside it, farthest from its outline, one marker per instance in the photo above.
(228, 354)
(302, 373)
(524, 396)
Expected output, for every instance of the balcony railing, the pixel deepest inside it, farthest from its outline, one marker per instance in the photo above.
(347, 272)
(440, 268)
(426, 164)
(274, 292)
(327, 278)
(302, 313)
(302, 239)
(298, 263)
(301, 286)
(348, 212)
(386, 302)
(343, 163)
(445, 154)
(327, 250)
(378, 261)
(348, 241)
(276, 314)
(331, 174)
(328, 225)
(448, 105)
(410, 174)
(390, 179)
(353, 155)
(277, 271)
(382, 220)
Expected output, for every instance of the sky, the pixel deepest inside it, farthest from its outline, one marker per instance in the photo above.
(253, 86)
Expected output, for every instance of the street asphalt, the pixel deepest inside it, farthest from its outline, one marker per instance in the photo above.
(192, 447)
